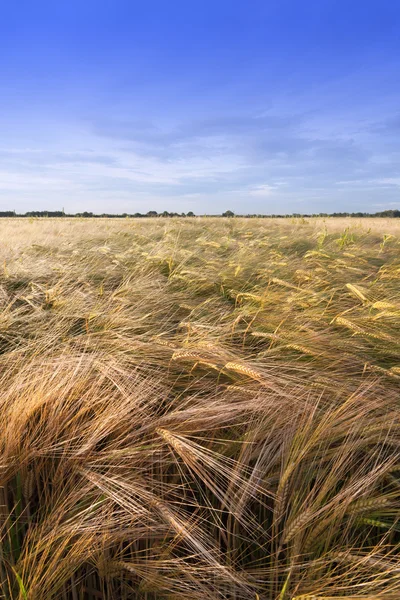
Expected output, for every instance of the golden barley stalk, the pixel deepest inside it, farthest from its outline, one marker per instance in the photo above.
(315, 532)
(383, 314)
(241, 389)
(171, 439)
(281, 495)
(262, 334)
(195, 357)
(247, 296)
(303, 349)
(296, 526)
(284, 283)
(369, 504)
(187, 355)
(388, 372)
(359, 331)
(359, 559)
(356, 292)
(186, 306)
(383, 305)
(349, 325)
(243, 370)
(28, 484)
(166, 343)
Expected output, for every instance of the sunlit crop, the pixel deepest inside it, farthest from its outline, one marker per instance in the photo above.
(199, 409)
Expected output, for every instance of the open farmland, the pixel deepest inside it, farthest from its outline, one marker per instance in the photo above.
(200, 409)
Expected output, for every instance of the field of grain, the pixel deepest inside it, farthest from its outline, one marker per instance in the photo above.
(199, 409)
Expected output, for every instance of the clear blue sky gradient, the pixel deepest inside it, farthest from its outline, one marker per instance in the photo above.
(257, 106)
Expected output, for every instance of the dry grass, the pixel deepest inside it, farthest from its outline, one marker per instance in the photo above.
(200, 409)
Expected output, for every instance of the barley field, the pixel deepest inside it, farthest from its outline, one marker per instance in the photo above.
(200, 409)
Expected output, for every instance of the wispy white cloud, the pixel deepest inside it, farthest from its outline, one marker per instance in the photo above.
(262, 191)
(262, 163)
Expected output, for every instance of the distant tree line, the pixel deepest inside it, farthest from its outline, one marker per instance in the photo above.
(85, 214)
(154, 214)
(385, 213)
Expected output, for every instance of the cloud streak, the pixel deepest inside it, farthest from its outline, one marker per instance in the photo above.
(263, 162)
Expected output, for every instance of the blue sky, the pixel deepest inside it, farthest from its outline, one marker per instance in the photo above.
(257, 106)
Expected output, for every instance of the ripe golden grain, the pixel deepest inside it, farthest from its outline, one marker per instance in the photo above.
(193, 356)
(145, 480)
(296, 526)
(303, 349)
(355, 291)
(383, 305)
(262, 334)
(243, 370)
(369, 504)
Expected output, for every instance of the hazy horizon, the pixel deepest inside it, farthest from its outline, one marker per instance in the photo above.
(274, 107)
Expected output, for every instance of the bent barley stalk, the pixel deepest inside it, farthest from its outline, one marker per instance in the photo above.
(356, 292)
(243, 370)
